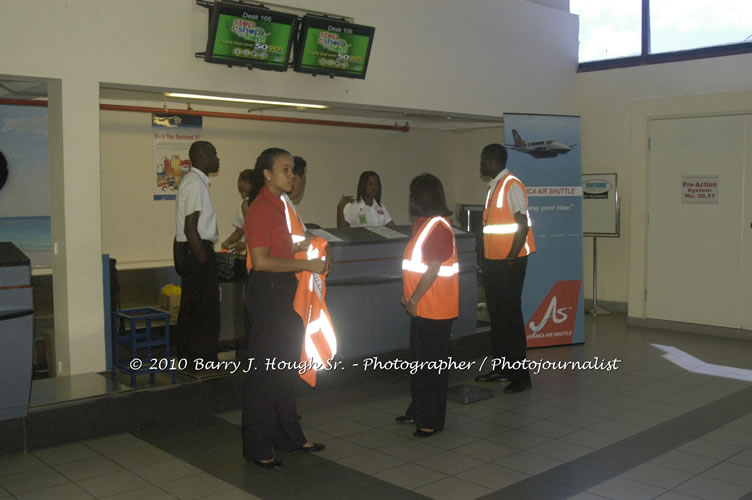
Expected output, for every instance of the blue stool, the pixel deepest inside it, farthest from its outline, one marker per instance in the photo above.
(141, 344)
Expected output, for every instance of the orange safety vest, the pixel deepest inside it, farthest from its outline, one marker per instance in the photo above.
(499, 226)
(294, 225)
(441, 301)
(320, 343)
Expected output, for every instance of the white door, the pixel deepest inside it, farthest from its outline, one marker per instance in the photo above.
(695, 249)
(745, 293)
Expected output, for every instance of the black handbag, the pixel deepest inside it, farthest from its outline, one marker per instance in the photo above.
(225, 266)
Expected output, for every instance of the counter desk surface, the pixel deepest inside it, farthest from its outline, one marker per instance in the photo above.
(365, 286)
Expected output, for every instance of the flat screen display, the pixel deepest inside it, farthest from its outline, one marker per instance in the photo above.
(333, 48)
(241, 35)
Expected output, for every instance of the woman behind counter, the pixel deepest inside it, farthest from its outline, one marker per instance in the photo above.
(430, 278)
(367, 210)
(269, 409)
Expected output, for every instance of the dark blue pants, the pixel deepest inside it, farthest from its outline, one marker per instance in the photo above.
(429, 341)
(503, 282)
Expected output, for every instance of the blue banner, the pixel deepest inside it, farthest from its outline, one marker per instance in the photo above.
(544, 152)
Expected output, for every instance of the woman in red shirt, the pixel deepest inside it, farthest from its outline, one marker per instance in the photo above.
(430, 277)
(269, 410)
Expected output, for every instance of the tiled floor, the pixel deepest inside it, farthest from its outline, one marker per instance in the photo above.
(669, 424)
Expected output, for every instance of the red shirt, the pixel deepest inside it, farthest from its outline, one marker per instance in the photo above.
(438, 244)
(266, 225)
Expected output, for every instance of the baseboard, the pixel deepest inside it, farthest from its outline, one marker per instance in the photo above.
(609, 305)
(678, 326)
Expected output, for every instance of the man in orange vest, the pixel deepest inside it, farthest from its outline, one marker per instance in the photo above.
(507, 241)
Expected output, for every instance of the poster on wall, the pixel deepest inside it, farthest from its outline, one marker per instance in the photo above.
(25, 182)
(544, 153)
(173, 136)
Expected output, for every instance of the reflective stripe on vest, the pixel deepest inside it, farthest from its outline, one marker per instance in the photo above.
(498, 236)
(320, 342)
(441, 301)
(415, 263)
(295, 227)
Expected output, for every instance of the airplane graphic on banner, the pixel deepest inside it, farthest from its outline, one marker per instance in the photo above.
(546, 148)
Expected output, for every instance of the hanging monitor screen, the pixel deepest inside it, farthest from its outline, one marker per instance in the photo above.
(240, 35)
(334, 48)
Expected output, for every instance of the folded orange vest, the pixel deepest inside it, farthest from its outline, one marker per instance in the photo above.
(320, 343)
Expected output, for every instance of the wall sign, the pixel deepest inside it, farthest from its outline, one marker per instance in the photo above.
(173, 136)
(600, 205)
(699, 189)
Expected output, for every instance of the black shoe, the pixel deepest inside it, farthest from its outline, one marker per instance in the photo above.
(273, 464)
(492, 376)
(516, 387)
(404, 420)
(316, 447)
(424, 434)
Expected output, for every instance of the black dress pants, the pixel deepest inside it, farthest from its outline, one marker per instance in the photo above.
(270, 414)
(198, 319)
(503, 282)
(429, 341)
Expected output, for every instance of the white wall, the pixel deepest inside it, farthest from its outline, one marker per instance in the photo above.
(614, 105)
(556, 4)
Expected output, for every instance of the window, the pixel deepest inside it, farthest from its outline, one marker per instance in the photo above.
(632, 32)
(691, 24)
(608, 29)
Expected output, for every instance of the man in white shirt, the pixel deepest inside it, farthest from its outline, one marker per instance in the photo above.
(196, 233)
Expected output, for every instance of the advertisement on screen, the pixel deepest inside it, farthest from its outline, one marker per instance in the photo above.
(339, 49)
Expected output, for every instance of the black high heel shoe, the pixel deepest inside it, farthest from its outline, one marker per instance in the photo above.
(424, 434)
(272, 464)
(316, 447)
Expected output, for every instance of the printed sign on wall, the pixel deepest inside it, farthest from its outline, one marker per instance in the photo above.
(699, 189)
(173, 136)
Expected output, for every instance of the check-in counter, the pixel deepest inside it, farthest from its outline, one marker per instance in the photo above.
(365, 286)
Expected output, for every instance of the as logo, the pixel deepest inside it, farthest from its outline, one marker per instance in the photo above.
(553, 322)
(557, 315)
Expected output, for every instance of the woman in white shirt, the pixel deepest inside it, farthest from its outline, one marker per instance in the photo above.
(236, 241)
(367, 209)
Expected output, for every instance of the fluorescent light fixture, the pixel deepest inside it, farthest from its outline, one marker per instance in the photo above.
(248, 101)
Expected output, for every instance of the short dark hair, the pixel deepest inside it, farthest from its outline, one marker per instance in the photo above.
(362, 185)
(427, 197)
(299, 166)
(246, 176)
(495, 153)
(200, 150)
